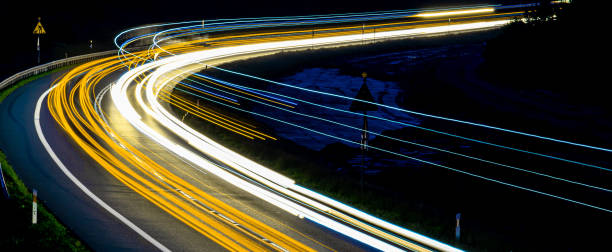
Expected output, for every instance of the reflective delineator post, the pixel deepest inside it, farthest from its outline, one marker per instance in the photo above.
(34, 207)
(458, 228)
(38, 48)
(3, 183)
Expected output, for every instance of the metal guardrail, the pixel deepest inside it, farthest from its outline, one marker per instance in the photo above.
(53, 65)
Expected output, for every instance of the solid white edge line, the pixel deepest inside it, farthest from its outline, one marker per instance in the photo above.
(80, 185)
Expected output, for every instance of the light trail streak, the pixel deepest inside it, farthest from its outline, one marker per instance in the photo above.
(470, 123)
(307, 33)
(438, 165)
(181, 200)
(115, 93)
(404, 123)
(417, 144)
(230, 24)
(81, 186)
(166, 65)
(202, 91)
(150, 94)
(234, 88)
(455, 13)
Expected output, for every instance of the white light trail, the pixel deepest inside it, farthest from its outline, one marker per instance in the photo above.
(455, 13)
(167, 69)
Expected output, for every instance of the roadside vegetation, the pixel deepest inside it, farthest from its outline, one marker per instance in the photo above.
(401, 195)
(317, 170)
(7, 91)
(330, 172)
(17, 232)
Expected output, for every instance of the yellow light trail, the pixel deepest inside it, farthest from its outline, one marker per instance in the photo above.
(179, 104)
(456, 26)
(144, 176)
(72, 108)
(242, 92)
(230, 40)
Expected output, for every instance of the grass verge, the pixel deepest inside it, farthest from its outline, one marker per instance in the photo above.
(7, 91)
(18, 232)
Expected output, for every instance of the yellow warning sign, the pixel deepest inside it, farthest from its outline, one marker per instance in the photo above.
(39, 28)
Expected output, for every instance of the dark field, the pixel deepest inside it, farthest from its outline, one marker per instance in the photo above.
(443, 76)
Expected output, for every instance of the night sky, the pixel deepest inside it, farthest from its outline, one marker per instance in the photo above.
(70, 25)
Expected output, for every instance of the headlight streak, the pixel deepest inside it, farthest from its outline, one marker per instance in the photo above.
(86, 121)
(510, 184)
(122, 104)
(409, 142)
(231, 24)
(464, 122)
(224, 123)
(422, 114)
(157, 41)
(454, 12)
(335, 31)
(426, 162)
(408, 124)
(153, 75)
(247, 91)
(79, 184)
(475, 140)
(203, 91)
(226, 24)
(151, 97)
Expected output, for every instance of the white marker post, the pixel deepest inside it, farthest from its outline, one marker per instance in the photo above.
(4, 188)
(34, 207)
(458, 228)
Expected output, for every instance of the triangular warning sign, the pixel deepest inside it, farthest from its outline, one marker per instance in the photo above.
(39, 28)
(365, 95)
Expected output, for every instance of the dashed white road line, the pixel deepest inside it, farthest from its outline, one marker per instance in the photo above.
(81, 186)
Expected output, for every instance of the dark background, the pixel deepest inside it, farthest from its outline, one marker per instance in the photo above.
(522, 59)
(70, 25)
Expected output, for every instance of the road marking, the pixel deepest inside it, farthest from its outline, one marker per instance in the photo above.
(80, 185)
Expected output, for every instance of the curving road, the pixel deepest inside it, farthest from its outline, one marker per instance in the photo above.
(138, 193)
(92, 223)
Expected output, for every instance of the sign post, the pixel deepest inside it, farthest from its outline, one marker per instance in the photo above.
(359, 105)
(38, 30)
